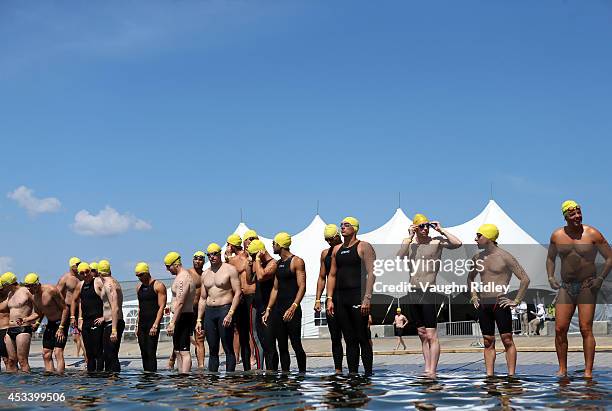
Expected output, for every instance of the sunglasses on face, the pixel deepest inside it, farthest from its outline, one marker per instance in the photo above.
(199, 258)
(140, 274)
(215, 254)
(478, 235)
(345, 225)
(423, 226)
(250, 239)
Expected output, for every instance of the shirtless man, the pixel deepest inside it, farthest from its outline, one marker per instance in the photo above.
(113, 317)
(180, 326)
(50, 303)
(424, 253)
(89, 295)
(495, 267)
(237, 257)
(4, 319)
(577, 244)
(399, 323)
(22, 322)
(66, 286)
(219, 299)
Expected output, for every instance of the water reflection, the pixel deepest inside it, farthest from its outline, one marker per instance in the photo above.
(254, 390)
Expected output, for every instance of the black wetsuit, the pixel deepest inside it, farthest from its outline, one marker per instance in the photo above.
(291, 330)
(147, 313)
(110, 348)
(243, 325)
(332, 323)
(215, 331)
(93, 308)
(350, 281)
(266, 333)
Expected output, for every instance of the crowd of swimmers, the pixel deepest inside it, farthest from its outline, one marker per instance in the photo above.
(249, 302)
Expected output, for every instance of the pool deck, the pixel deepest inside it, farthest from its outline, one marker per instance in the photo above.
(459, 354)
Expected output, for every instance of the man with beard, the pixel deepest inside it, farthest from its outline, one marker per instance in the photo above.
(181, 324)
(89, 296)
(350, 285)
(424, 253)
(151, 303)
(113, 317)
(219, 300)
(22, 322)
(49, 303)
(66, 286)
(495, 267)
(239, 258)
(577, 245)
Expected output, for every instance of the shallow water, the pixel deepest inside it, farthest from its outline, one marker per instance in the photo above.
(386, 390)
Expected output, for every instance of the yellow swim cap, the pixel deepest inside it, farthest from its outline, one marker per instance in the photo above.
(94, 266)
(199, 254)
(352, 221)
(74, 261)
(399, 310)
(141, 268)
(172, 257)
(31, 279)
(569, 205)
(83, 267)
(250, 234)
(256, 246)
(8, 278)
(234, 239)
(213, 248)
(419, 219)
(490, 231)
(331, 230)
(104, 267)
(283, 239)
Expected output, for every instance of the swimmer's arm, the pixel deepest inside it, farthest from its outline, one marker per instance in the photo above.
(405, 248)
(369, 255)
(162, 297)
(606, 252)
(236, 288)
(300, 274)
(76, 299)
(265, 273)
(114, 303)
(61, 286)
(520, 274)
(202, 302)
(331, 277)
(59, 301)
(451, 242)
(181, 294)
(322, 278)
(470, 279)
(273, 295)
(551, 256)
(248, 271)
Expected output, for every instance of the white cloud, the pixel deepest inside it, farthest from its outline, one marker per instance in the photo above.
(107, 222)
(6, 264)
(25, 198)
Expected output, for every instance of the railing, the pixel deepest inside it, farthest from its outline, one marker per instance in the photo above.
(457, 328)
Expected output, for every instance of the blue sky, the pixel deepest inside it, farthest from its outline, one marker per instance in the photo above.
(177, 114)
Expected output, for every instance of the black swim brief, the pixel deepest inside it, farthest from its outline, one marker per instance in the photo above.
(49, 340)
(13, 332)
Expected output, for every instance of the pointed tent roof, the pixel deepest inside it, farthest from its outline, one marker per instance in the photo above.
(392, 232)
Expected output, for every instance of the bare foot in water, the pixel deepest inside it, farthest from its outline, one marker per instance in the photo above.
(561, 373)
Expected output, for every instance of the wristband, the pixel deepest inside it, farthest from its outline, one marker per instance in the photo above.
(72, 317)
(199, 320)
(231, 312)
(268, 309)
(295, 305)
(517, 301)
(114, 331)
(317, 301)
(80, 318)
(61, 327)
